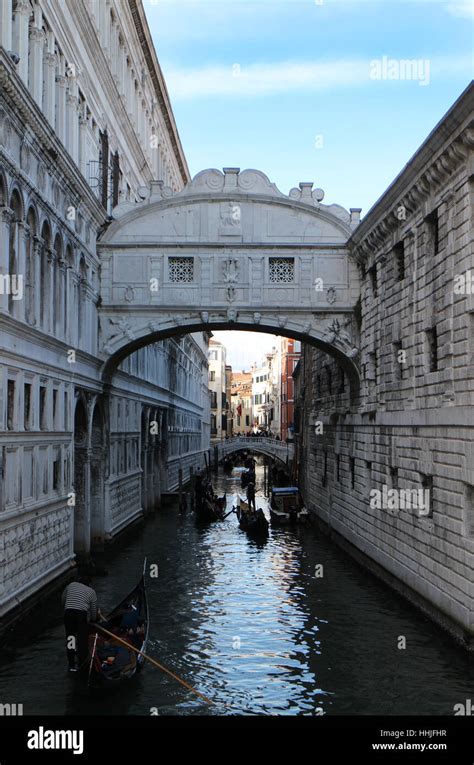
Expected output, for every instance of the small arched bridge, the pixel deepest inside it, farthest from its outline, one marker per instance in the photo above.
(272, 447)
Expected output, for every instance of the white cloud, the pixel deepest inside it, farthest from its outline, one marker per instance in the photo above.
(263, 79)
(463, 9)
(287, 76)
(245, 348)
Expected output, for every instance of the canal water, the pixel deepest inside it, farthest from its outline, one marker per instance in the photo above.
(251, 626)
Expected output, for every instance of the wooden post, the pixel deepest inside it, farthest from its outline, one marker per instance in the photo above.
(180, 486)
(192, 484)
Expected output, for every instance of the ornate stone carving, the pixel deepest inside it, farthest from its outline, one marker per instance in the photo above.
(331, 295)
(129, 294)
(230, 268)
(257, 317)
(232, 315)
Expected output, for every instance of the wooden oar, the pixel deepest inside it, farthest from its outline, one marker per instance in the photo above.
(229, 513)
(92, 660)
(152, 661)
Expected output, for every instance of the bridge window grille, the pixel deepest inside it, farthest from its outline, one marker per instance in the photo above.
(282, 270)
(181, 270)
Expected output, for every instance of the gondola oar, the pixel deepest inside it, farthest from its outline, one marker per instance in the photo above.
(148, 658)
(227, 514)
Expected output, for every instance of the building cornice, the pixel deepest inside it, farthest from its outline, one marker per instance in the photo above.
(444, 151)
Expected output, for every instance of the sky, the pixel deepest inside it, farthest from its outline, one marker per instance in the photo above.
(300, 89)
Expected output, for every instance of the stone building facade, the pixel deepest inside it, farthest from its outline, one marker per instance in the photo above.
(217, 389)
(412, 427)
(85, 124)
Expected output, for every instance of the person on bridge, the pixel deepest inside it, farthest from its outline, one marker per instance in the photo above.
(251, 496)
(80, 606)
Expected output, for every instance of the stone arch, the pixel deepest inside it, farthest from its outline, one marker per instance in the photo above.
(15, 242)
(16, 201)
(255, 449)
(345, 356)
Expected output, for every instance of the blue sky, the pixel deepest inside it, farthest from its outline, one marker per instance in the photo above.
(303, 106)
(285, 86)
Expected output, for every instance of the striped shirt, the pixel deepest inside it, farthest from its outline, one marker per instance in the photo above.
(81, 598)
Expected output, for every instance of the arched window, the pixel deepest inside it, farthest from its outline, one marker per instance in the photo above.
(14, 248)
(44, 285)
(31, 222)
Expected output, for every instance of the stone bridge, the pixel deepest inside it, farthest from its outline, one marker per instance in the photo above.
(272, 447)
(229, 251)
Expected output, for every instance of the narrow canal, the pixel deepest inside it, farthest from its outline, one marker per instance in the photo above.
(250, 625)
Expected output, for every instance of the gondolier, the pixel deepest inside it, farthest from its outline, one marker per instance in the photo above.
(251, 496)
(80, 607)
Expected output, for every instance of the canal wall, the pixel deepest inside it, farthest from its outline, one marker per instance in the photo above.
(391, 474)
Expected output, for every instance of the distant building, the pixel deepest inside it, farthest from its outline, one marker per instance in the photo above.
(290, 355)
(217, 387)
(228, 403)
(241, 401)
(266, 393)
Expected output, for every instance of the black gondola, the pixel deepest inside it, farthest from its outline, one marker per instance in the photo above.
(211, 508)
(110, 663)
(251, 521)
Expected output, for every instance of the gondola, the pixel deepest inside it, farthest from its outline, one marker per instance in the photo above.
(250, 521)
(109, 663)
(211, 508)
